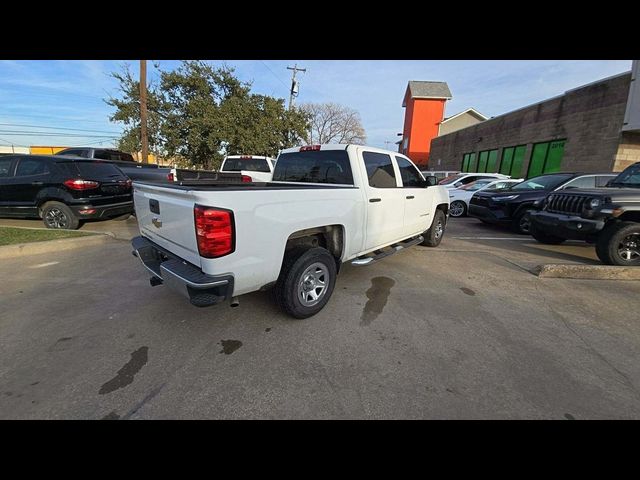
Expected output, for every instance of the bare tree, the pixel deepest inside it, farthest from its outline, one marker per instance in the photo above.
(333, 123)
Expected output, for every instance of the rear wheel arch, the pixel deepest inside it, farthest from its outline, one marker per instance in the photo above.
(329, 237)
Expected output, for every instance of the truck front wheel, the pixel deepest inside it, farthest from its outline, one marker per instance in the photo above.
(433, 236)
(306, 281)
(619, 244)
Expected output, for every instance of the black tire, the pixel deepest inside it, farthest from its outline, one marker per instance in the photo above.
(460, 211)
(58, 215)
(619, 244)
(521, 223)
(545, 238)
(433, 236)
(290, 290)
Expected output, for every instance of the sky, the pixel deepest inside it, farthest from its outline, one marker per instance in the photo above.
(64, 100)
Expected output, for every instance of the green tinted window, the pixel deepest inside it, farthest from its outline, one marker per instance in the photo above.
(472, 163)
(554, 157)
(538, 156)
(482, 161)
(507, 158)
(518, 161)
(465, 163)
(492, 162)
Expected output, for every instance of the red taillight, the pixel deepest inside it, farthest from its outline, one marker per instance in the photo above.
(246, 179)
(77, 184)
(214, 231)
(128, 183)
(170, 176)
(309, 148)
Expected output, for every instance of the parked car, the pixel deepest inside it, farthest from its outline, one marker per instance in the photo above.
(148, 172)
(511, 206)
(440, 174)
(459, 197)
(608, 217)
(257, 168)
(63, 191)
(326, 205)
(460, 179)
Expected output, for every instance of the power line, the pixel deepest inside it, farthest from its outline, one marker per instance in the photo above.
(58, 128)
(11, 143)
(25, 133)
(273, 73)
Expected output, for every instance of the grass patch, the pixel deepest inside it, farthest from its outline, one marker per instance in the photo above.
(10, 235)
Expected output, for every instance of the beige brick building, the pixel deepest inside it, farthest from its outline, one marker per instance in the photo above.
(592, 128)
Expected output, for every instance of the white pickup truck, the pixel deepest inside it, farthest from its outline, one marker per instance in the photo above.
(257, 168)
(326, 205)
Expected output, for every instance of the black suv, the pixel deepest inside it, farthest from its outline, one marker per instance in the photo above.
(62, 191)
(511, 206)
(136, 171)
(608, 217)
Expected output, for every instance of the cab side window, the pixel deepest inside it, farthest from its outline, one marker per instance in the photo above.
(31, 166)
(379, 170)
(409, 174)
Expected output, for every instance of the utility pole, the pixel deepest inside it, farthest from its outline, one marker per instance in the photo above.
(294, 83)
(144, 140)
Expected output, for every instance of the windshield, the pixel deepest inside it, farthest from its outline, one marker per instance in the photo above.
(543, 182)
(629, 177)
(451, 179)
(477, 185)
(253, 164)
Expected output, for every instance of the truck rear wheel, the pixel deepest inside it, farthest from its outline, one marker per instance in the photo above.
(619, 244)
(306, 281)
(433, 236)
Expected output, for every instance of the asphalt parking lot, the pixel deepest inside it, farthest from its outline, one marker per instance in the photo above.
(461, 331)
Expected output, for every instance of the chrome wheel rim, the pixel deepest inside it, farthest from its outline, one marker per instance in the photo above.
(439, 229)
(456, 209)
(56, 218)
(313, 283)
(629, 247)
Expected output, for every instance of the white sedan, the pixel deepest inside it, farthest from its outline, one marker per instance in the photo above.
(459, 197)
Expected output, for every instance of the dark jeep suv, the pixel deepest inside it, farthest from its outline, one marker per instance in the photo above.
(608, 217)
(63, 191)
(511, 206)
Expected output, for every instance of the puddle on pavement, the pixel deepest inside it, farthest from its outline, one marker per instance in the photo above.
(378, 294)
(126, 374)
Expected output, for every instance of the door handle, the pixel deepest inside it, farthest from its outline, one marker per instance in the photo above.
(37, 183)
(410, 197)
(374, 200)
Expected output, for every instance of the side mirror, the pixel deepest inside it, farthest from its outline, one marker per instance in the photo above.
(430, 181)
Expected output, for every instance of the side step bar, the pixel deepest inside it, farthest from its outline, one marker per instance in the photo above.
(380, 254)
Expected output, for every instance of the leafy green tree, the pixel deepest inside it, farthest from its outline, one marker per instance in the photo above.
(128, 112)
(204, 113)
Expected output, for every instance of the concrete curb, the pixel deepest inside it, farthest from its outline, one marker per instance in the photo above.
(588, 272)
(47, 246)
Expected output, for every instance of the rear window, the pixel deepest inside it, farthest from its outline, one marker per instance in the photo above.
(544, 182)
(113, 155)
(451, 179)
(253, 164)
(92, 169)
(314, 166)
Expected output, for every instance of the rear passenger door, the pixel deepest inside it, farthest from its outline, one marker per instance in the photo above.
(6, 176)
(385, 200)
(31, 175)
(417, 202)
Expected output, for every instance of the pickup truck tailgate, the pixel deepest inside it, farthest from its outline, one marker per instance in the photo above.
(165, 216)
